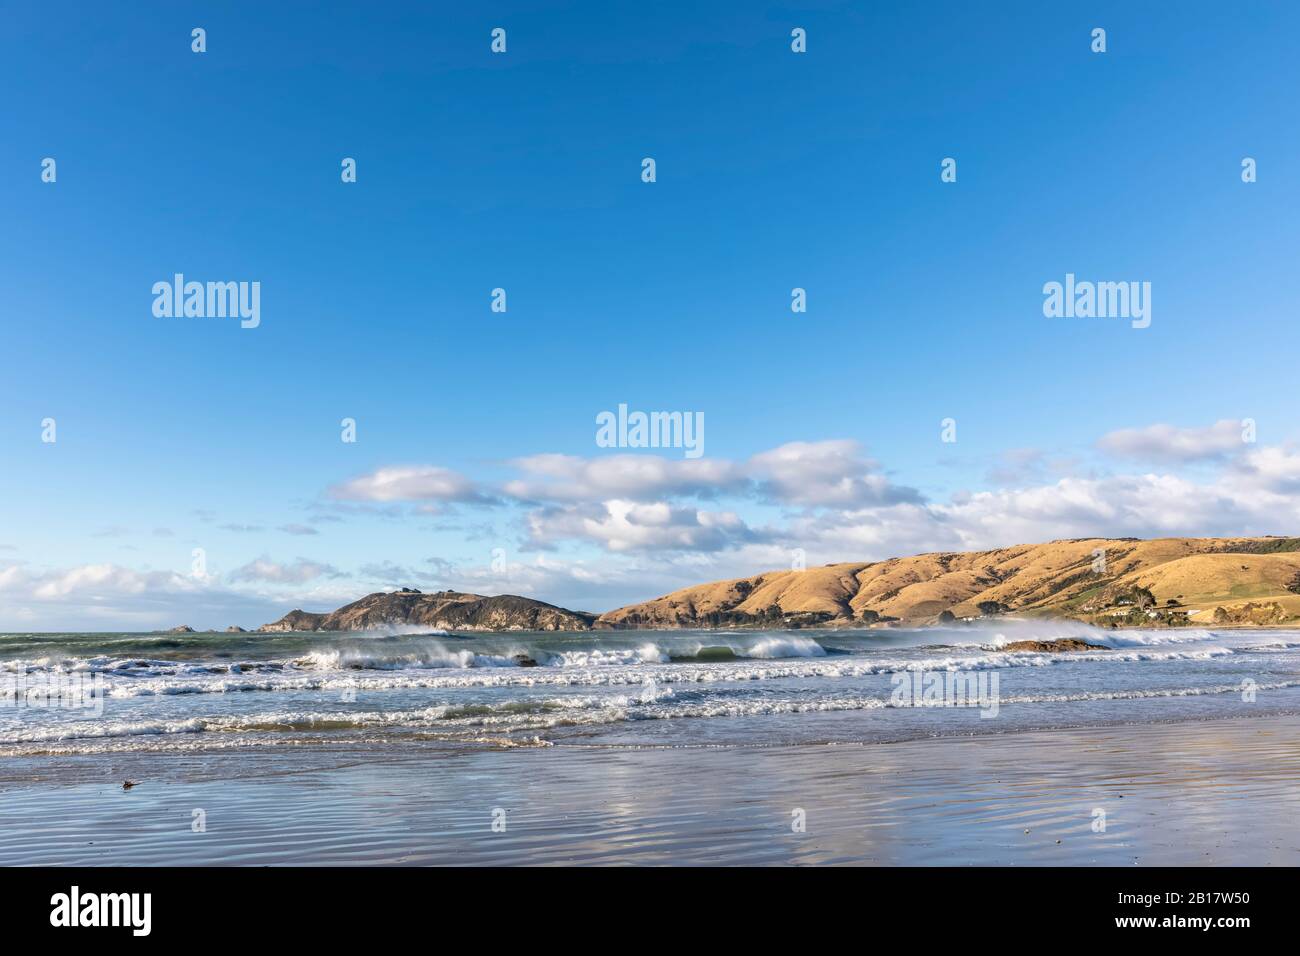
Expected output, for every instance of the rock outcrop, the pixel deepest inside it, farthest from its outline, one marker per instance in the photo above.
(1053, 647)
(296, 620)
(1250, 613)
(447, 610)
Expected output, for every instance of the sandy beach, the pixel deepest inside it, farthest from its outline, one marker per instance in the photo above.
(1220, 792)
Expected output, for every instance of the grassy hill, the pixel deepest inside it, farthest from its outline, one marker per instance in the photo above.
(1165, 581)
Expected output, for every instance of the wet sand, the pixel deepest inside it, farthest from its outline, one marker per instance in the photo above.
(1224, 792)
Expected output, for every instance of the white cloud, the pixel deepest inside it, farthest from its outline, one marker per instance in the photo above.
(1269, 470)
(806, 474)
(1171, 444)
(570, 478)
(824, 474)
(298, 572)
(1239, 502)
(110, 597)
(93, 579)
(607, 531)
(411, 483)
(620, 525)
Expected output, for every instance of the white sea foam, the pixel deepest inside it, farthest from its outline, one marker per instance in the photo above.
(548, 713)
(1156, 637)
(394, 630)
(322, 674)
(662, 676)
(780, 647)
(647, 653)
(431, 655)
(478, 689)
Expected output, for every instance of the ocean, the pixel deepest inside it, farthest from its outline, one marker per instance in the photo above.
(69, 694)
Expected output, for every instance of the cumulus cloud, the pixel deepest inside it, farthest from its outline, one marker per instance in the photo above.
(111, 597)
(656, 546)
(1272, 470)
(620, 525)
(1127, 505)
(411, 483)
(610, 530)
(1171, 444)
(1258, 498)
(297, 572)
(849, 509)
(824, 474)
(806, 474)
(91, 579)
(570, 478)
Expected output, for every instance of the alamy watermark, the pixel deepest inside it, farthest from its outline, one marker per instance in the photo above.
(211, 300)
(651, 430)
(76, 691)
(75, 908)
(1102, 300)
(946, 689)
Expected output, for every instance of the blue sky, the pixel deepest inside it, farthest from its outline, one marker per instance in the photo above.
(522, 171)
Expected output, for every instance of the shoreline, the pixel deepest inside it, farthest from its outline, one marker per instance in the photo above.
(830, 626)
(1199, 792)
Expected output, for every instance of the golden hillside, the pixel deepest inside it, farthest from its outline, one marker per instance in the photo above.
(1162, 581)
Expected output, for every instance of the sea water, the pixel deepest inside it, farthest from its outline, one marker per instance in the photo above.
(110, 693)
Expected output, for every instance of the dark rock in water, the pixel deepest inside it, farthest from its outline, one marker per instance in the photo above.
(523, 660)
(1053, 647)
(183, 629)
(236, 629)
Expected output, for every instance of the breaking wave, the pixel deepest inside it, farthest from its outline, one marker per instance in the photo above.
(528, 689)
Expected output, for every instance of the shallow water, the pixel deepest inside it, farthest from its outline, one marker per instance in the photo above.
(1192, 793)
(122, 693)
